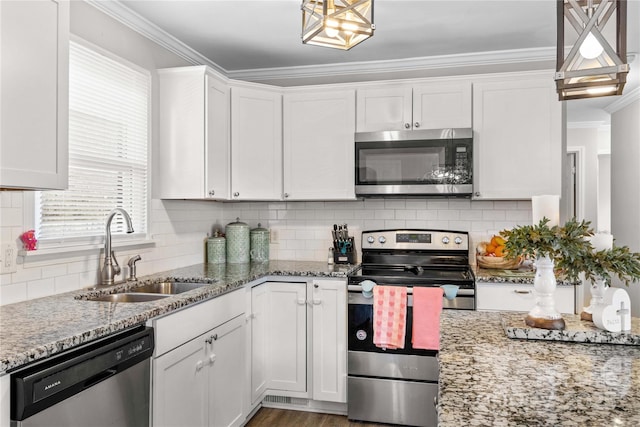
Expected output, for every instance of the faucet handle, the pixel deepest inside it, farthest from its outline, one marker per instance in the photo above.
(132, 267)
(116, 266)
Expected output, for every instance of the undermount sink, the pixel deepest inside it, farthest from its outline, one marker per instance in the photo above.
(168, 288)
(128, 297)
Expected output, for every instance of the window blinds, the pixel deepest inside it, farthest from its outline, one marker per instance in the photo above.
(108, 139)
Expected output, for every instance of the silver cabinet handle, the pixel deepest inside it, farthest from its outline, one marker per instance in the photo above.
(236, 194)
(212, 193)
(407, 125)
(517, 291)
(416, 125)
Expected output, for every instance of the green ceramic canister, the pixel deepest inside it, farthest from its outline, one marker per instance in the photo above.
(237, 234)
(259, 244)
(216, 249)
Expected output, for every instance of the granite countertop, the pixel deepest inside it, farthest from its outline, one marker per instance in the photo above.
(39, 328)
(522, 275)
(487, 378)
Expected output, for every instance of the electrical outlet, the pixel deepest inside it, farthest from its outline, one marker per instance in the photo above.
(8, 258)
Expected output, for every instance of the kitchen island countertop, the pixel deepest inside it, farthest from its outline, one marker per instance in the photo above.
(38, 328)
(487, 379)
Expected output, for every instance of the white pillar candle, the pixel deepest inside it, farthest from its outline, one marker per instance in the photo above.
(546, 207)
(602, 241)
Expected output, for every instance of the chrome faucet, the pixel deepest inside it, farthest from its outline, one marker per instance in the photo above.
(111, 269)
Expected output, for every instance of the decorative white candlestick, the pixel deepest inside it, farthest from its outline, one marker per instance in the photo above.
(544, 315)
(602, 241)
(546, 207)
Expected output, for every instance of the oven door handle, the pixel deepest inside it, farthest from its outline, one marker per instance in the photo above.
(461, 292)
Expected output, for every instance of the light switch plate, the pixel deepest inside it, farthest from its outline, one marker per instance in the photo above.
(8, 258)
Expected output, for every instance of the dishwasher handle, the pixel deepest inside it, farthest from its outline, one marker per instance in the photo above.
(57, 378)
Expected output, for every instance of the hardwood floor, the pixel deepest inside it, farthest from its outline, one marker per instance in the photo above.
(269, 417)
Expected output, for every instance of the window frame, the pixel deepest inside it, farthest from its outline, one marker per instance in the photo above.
(88, 243)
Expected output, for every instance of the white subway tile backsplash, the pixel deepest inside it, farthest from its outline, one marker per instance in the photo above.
(303, 231)
(40, 288)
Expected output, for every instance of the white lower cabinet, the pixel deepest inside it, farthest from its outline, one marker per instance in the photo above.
(297, 336)
(519, 297)
(199, 382)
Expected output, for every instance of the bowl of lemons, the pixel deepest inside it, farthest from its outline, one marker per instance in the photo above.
(491, 254)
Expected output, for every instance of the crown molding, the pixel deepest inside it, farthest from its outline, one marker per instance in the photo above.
(131, 19)
(626, 99)
(398, 65)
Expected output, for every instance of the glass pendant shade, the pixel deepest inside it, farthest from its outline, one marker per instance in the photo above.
(340, 24)
(592, 67)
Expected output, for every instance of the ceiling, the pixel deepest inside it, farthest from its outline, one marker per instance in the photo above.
(260, 40)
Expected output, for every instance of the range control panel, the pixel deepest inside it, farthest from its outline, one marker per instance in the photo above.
(415, 240)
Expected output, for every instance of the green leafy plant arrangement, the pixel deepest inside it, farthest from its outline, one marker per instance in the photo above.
(570, 249)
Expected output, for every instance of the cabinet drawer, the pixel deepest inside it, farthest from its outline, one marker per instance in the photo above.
(519, 297)
(177, 328)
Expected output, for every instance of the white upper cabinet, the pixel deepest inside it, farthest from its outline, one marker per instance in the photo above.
(193, 155)
(517, 123)
(34, 95)
(422, 106)
(319, 129)
(256, 144)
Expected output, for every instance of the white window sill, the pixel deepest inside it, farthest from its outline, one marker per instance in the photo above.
(59, 252)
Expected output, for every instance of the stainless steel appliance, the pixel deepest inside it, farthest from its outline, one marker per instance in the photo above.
(103, 383)
(435, 162)
(400, 386)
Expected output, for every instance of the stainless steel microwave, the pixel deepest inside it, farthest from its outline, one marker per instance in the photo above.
(428, 162)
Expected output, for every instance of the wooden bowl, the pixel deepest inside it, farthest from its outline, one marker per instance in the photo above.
(497, 262)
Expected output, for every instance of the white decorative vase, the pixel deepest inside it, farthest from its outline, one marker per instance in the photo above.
(598, 288)
(544, 315)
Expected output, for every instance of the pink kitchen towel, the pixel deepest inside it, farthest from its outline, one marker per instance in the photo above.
(427, 305)
(389, 316)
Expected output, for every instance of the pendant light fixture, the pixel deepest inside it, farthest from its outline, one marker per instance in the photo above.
(340, 24)
(592, 67)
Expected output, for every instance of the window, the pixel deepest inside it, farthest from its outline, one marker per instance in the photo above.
(108, 140)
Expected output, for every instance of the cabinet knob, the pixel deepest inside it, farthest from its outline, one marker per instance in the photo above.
(315, 285)
(477, 194)
(199, 365)
(416, 125)
(301, 301)
(407, 125)
(317, 302)
(212, 193)
(212, 358)
(286, 195)
(236, 194)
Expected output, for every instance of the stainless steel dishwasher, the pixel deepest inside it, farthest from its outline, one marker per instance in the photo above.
(103, 383)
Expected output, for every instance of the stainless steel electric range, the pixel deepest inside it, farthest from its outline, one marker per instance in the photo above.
(400, 386)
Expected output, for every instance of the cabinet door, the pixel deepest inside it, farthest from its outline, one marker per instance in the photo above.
(217, 139)
(517, 139)
(319, 145)
(180, 381)
(256, 144)
(34, 101)
(520, 297)
(287, 336)
(258, 342)
(226, 384)
(180, 166)
(442, 105)
(193, 147)
(384, 109)
(329, 301)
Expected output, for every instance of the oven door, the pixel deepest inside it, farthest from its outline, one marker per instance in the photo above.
(388, 386)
